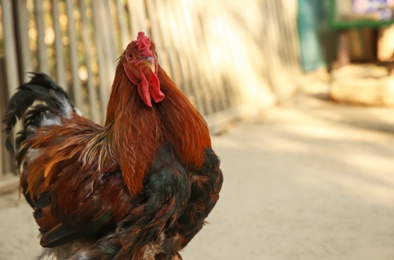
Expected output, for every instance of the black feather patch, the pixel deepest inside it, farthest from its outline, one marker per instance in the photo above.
(40, 88)
(43, 201)
(57, 236)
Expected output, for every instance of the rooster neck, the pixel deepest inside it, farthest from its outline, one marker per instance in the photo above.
(183, 126)
(137, 131)
(135, 139)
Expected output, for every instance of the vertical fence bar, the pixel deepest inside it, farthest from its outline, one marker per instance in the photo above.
(59, 50)
(276, 52)
(202, 51)
(289, 9)
(124, 34)
(218, 37)
(3, 101)
(92, 96)
(76, 82)
(109, 40)
(288, 41)
(189, 68)
(11, 67)
(161, 40)
(198, 82)
(205, 42)
(266, 51)
(42, 50)
(210, 86)
(137, 12)
(23, 40)
(168, 39)
(149, 13)
(103, 75)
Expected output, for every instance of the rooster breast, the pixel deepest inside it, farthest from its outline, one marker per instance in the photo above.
(93, 214)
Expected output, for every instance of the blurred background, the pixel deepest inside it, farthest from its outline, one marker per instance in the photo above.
(219, 53)
(236, 60)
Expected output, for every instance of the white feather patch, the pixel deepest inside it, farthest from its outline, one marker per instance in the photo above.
(50, 121)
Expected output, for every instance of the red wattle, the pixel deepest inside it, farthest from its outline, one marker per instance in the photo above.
(148, 89)
(143, 90)
(155, 91)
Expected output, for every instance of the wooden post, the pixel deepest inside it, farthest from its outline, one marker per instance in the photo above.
(11, 68)
(59, 50)
(124, 34)
(103, 67)
(76, 82)
(42, 50)
(343, 48)
(92, 96)
(22, 30)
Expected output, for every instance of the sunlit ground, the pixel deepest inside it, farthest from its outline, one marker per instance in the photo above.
(309, 180)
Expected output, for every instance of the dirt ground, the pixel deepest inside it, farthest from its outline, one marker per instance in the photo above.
(309, 179)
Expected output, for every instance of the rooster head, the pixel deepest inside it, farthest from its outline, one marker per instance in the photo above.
(140, 64)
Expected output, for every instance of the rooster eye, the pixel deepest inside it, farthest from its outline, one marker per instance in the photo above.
(130, 56)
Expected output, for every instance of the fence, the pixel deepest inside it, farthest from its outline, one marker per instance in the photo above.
(223, 54)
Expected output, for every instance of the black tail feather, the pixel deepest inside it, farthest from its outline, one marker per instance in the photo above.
(40, 88)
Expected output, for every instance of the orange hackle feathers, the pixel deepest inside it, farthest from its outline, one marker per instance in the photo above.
(186, 128)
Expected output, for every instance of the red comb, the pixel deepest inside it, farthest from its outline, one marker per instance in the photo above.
(143, 44)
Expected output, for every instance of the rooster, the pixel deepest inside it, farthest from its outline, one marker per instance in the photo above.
(139, 187)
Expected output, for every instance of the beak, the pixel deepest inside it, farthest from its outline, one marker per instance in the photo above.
(150, 62)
